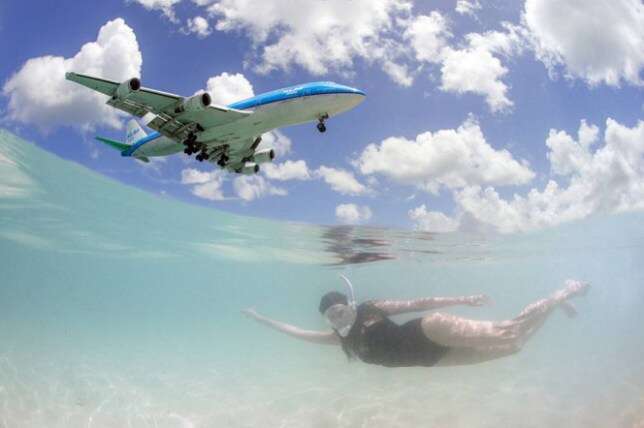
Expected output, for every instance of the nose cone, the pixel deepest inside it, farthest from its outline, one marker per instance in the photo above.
(352, 96)
(342, 97)
(350, 90)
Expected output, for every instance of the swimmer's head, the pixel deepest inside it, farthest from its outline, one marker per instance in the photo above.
(337, 312)
(331, 298)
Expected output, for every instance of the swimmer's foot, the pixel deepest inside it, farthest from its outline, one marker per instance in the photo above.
(572, 289)
(568, 309)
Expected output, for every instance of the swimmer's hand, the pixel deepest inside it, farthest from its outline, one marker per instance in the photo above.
(478, 300)
(251, 313)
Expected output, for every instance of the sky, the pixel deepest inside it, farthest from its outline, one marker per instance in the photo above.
(500, 116)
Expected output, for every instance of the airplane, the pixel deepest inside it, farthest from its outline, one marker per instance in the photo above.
(225, 135)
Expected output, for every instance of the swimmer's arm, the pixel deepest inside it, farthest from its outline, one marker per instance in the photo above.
(319, 337)
(395, 307)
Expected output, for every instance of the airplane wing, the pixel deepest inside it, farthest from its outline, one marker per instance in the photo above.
(172, 115)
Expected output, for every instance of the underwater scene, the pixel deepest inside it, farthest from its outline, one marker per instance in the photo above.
(119, 308)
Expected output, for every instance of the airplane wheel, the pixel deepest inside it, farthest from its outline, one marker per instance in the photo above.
(199, 158)
(187, 151)
(321, 127)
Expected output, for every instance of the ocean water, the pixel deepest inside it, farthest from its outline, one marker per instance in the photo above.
(119, 308)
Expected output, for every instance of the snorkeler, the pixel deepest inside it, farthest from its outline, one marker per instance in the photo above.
(365, 331)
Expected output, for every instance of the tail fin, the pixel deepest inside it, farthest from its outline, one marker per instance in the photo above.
(134, 132)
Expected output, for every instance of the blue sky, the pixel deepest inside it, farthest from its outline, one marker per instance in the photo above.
(488, 81)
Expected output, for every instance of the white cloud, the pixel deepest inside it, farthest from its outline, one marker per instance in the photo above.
(565, 155)
(289, 170)
(476, 71)
(476, 68)
(210, 190)
(607, 180)
(399, 73)
(428, 36)
(329, 36)
(194, 176)
(319, 36)
(432, 221)
(253, 187)
(39, 94)
(341, 181)
(453, 158)
(598, 41)
(199, 26)
(154, 164)
(467, 7)
(206, 185)
(227, 88)
(352, 213)
(165, 6)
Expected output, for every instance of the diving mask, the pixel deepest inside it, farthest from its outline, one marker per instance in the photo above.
(341, 318)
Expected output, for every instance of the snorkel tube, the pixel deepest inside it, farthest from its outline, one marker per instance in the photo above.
(343, 321)
(352, 302)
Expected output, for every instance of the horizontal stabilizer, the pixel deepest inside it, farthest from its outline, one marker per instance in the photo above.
(142, 159)
(116, 144)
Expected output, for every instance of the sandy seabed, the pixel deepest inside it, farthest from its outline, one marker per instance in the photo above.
(51, 394)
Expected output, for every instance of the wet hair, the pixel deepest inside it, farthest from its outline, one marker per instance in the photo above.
(332, 298)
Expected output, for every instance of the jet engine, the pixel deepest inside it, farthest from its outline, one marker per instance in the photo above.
(250, 168)
(263, 156)
(126, 88)
(194, 103)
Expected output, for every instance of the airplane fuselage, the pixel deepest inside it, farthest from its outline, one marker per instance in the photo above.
(284, 107)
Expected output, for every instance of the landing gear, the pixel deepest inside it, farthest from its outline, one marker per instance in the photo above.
(203, 155)
(321, 126)
(222, 160)
(191, 144)
(204, 152)
(192, 147)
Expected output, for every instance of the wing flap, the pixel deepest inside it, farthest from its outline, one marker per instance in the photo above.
(103, 86)
(213, 116)
(155, 101)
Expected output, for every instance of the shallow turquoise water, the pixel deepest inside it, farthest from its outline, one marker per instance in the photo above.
(121, 308)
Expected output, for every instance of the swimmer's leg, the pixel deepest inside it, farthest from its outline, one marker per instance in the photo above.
(469, 356)
(452, 331)
(535, 314)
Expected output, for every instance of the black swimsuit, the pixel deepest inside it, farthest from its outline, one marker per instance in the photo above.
(379, 340)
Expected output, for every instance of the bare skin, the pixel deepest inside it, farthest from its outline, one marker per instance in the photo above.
(470, 341)
(392, 307)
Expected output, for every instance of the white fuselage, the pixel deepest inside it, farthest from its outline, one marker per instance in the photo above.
(266, 117)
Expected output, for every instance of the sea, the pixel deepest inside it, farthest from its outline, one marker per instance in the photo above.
(122, 308)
